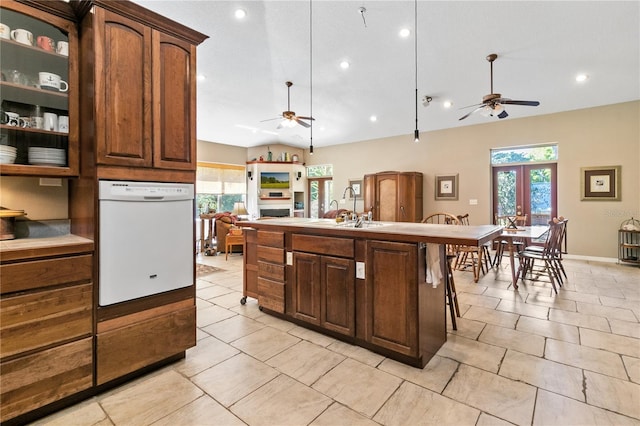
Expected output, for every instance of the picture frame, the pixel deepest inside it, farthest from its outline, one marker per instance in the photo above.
(446, 187)
(600, 183)
(356, 184)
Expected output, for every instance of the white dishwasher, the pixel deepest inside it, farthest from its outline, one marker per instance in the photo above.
(146, 242)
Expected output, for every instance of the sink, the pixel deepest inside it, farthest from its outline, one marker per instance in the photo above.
(364, 225)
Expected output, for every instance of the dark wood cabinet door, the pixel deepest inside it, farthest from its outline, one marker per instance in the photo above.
(306, 289)
(174, 94)
(122, 91)
(337, 302)
(392, 304)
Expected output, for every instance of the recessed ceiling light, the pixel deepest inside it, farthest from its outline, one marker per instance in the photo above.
(240, 13)
(448, 104)
(373, 118)
(581, 78)
(344, 65)
(405, 32)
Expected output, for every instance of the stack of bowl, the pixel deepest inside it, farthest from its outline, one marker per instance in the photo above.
(7, 154)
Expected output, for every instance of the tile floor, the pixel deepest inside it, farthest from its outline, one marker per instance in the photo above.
(526, 357)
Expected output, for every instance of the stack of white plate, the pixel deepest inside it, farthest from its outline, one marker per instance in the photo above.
(47, 156)
(7, 154)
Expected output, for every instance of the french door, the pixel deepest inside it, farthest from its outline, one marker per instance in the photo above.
(320, 195)
(529, 189)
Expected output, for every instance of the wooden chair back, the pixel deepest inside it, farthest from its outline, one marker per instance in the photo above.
(442, 219)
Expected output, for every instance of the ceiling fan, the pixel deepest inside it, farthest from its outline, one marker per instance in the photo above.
(290, 117)
(493, 103)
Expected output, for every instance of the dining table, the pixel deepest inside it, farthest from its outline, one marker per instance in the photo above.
(519, 233)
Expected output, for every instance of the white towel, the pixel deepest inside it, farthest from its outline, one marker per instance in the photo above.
(434, 271)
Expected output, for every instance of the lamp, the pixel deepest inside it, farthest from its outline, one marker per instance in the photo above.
(239, 209)
(298, 175)
(250, 174)
(416, 133)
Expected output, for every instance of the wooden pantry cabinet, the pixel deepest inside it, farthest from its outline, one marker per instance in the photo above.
(394, 196)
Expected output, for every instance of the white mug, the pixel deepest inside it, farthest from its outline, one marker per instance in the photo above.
(5, 31)
(63, 48)
(22, 36)
(50, 81)
(50, 121)
(63, 124)
(12, 118)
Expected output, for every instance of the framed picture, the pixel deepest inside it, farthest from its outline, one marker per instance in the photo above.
(447, 187)
(356, 184)
(600, 183)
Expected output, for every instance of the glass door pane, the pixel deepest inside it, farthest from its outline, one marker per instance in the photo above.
(320, 193)
(506, 192)
(540, 195)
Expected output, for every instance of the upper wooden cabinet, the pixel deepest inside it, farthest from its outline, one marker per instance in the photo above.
(140, 83)
(394, 196)
(43, 46)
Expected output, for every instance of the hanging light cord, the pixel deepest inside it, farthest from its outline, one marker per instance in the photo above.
(416, 134)
(311, 77)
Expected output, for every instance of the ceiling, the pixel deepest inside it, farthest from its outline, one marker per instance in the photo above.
(541, 47)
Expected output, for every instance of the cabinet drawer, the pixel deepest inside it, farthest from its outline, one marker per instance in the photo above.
(38, 320)
(271, 294)
(125, 349)
(45, 273)
(271, 254)
(271, 271)
(271, 239)
(343, 247)
(36, 380)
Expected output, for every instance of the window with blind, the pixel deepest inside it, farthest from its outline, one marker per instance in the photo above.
(218, 186)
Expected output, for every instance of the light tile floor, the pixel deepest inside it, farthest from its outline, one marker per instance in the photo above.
(525, 357)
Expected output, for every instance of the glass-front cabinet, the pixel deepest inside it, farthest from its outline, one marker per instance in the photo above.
(38, 92)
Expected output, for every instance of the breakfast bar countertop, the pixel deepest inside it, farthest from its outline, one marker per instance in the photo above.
(392, 231)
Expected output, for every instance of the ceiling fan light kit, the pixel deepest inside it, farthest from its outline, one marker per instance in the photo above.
(493, 104)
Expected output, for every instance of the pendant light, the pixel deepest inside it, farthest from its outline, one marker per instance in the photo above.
(416, 132)
(311, 76)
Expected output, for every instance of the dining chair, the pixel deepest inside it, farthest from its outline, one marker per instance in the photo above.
(478, 258)
(519, 244)
(550, 267)
(560, 249)
(442, 219)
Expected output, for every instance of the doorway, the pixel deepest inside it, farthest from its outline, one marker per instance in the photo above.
(529, 189)
(320, 196)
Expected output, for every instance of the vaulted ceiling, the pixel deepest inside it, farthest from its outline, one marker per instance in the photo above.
(541, 45)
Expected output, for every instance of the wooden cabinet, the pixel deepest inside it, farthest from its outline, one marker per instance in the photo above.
(394, 196)
(271, 270)
(392, 296)
(323, 286)
(250, 262)
(35, 146)
(46, 326)
(145, 86)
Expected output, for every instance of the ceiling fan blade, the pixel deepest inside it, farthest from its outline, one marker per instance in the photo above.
(271, 119)
(468, 114)
(525, 103)
(503, 114)
(302, 123)
(307, 118)
(469, 106)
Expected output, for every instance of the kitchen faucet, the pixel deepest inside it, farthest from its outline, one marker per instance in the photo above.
(331, 203)
(353, 192)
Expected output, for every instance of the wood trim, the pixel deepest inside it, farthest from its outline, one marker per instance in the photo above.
(126, 320)
(145, 174)
(105, 313)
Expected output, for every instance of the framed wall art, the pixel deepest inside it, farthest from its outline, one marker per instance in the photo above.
(600, 183)
(356, 184)
(447, 187)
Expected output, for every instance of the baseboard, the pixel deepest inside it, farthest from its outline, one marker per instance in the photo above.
(590, 258)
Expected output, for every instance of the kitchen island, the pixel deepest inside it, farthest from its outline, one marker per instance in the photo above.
(366, 286)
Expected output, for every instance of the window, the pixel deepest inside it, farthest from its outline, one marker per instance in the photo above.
(218, 186)
(525, 182)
